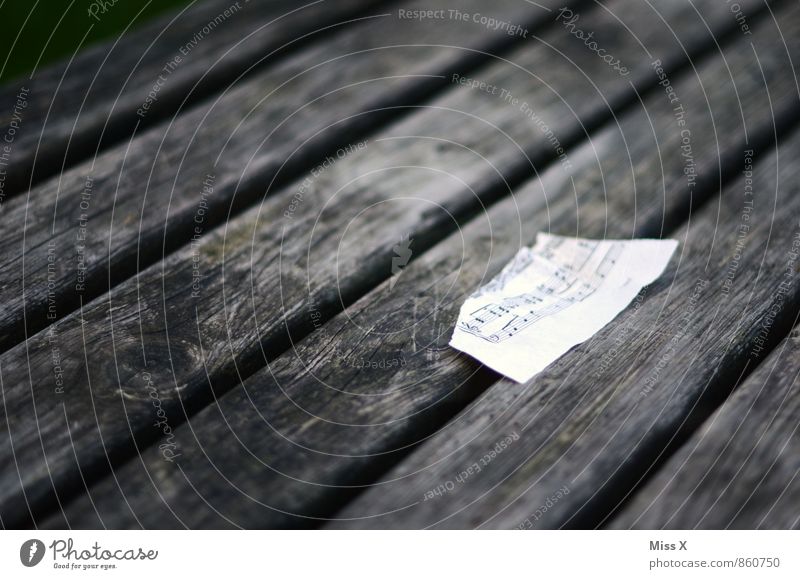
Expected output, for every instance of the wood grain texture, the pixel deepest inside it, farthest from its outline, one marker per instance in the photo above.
(73, 237)
(593, 422)
(740, 470)
(82, 105)
(226, 264)
(301, 436)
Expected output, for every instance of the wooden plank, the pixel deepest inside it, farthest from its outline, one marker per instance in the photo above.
(587, 428)
(740, 470)
(300, 437)
(77, 107)
(329, 89)
(72, 238)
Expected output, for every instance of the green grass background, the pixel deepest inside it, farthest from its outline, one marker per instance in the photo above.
(27, 26)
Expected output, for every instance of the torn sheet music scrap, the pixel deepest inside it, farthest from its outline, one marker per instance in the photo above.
(552, 297)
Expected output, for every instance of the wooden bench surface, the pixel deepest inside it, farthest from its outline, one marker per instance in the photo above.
(202, 326)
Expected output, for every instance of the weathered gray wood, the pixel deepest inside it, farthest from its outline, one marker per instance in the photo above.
(81, 105)
(299, 437)
(592, 423)
(105, 219)
(740, 470)
(65, 342)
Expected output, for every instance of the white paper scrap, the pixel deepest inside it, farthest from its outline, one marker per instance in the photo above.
(553, 296)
